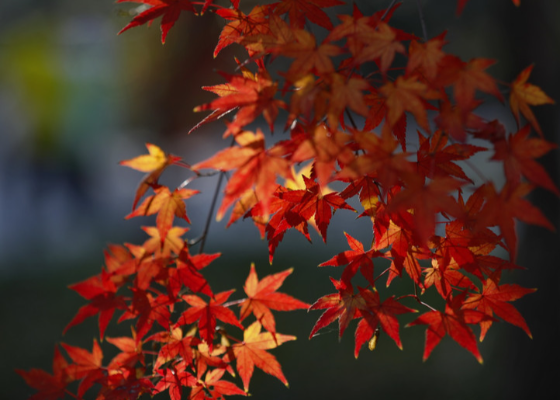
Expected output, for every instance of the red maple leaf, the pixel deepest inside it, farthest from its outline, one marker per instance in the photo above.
(466, 78)
(453, 322)
(87, 366)
(518, 154)
(262, 297)
(213, 385)
(312, 202)
(50, 387)
(100, 290)
(174, 345)
(252, 93)
(174, 379)
(207, 313)
(501, 208)
(343, 306)
(298, 10)
(376, 312)
(494, 300)
(355, 258)
(148, 310)
(169, 10)
(131, 352)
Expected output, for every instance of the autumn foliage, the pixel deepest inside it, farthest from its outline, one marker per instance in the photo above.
(392, 118)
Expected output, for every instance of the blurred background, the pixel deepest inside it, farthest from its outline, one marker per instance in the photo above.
(75, 99)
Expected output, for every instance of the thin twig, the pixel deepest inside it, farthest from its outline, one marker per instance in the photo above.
(388, 9)
(212, 206)
(422, 21)
(211, 213)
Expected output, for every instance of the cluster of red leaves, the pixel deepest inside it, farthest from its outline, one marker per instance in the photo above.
(429, 217)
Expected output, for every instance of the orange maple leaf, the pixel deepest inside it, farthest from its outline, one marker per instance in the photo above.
(523, 95)
(426, 57)
(406, 94)
(262, 297)
(252, 352)
(308, 56)
(154, 164)
(252, 93)
(255, 166)
(168, 205)
(382, 44)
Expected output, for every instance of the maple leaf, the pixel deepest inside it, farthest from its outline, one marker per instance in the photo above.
(455, 120)
(308, 57)
(124, 386)
(174, 378)
(87, 366)
(376, 312)
(188, 267)
(169, 10)
(523, 95)
(167, 205)
(242, 25)
(325, 147)
(518, 154)
(446, 276)
(215, 387)
(173, 345)
(253, 94)
(466, 78)
(131, 352)
(298, 10)
(50, 387)
(345, 93)
(355, 258)
(255, 166)
(206, 315)
(501, 208)
(453, 322)
(148, 310)
(262, 297)
(368, 191)
(494, 300)
(312, 202)
(154, 164)
(427, 201)
(101, 292)
(172, 242)
(426, 57)
(252, 352)
(406, 95)
(434, 158)
(382, 44)
(343, 306)
(355, 27)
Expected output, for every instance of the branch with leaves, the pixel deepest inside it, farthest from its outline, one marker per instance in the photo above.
(348, 109)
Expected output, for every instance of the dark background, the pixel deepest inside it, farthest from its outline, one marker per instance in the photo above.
(75, 99)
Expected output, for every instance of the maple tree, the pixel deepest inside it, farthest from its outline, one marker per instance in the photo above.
(431, 218)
